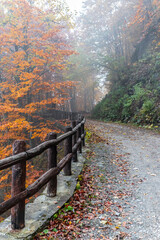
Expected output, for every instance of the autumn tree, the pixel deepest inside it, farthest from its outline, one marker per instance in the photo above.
(132, 63)
(32, 50)
(146, 24)
(112, 30)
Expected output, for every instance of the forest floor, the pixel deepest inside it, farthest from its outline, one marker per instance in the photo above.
(119, 190)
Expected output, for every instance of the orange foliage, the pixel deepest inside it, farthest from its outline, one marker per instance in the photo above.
(145, 19)
(32, 175)
(33, 50)
(33, 47)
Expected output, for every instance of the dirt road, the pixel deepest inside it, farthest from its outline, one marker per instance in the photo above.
(127, 176)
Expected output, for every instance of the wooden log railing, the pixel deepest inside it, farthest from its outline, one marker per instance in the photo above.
(74, 139)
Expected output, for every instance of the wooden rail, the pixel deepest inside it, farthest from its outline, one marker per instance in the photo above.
(74, 139)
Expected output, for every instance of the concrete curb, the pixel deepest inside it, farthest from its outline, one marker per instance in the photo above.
(43, 208)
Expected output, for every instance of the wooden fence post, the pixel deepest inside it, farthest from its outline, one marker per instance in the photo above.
(79, 136)
(79, 117)
(74, 141)
(68, 149)
(18, 185)
(82, 128)
(52, 162)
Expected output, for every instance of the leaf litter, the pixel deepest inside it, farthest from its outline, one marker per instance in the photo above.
(101, 205)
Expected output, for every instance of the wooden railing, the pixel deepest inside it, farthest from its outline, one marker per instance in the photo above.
(74, 139)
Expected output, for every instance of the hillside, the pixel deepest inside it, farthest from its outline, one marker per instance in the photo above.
(136, 98)
(134, 94)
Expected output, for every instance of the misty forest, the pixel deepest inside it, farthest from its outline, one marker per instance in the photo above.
(50, 60)
(102, 61)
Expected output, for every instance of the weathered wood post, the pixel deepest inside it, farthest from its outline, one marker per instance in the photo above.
(79, 136)
(74, 141)
(18, 185)
(83, 132)
(79, 117)
(68, 149)
(52, 162)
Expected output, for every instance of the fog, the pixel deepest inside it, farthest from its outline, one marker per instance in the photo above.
(53, 58)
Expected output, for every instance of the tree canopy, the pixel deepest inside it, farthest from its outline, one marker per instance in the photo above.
(33, 49)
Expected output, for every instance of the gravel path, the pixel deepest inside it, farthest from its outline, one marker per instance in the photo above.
(126, 184)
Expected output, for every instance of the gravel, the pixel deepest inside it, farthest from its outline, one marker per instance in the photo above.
(126, 180)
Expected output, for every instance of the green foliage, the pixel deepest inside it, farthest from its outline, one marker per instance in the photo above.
(88, 135)
(78, 186)
(110, 107)
(55, 215)
(68, 208)
(135, 97)
(45, 231)
(55, 230)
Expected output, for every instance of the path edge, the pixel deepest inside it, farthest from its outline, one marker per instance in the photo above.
(39, 213)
